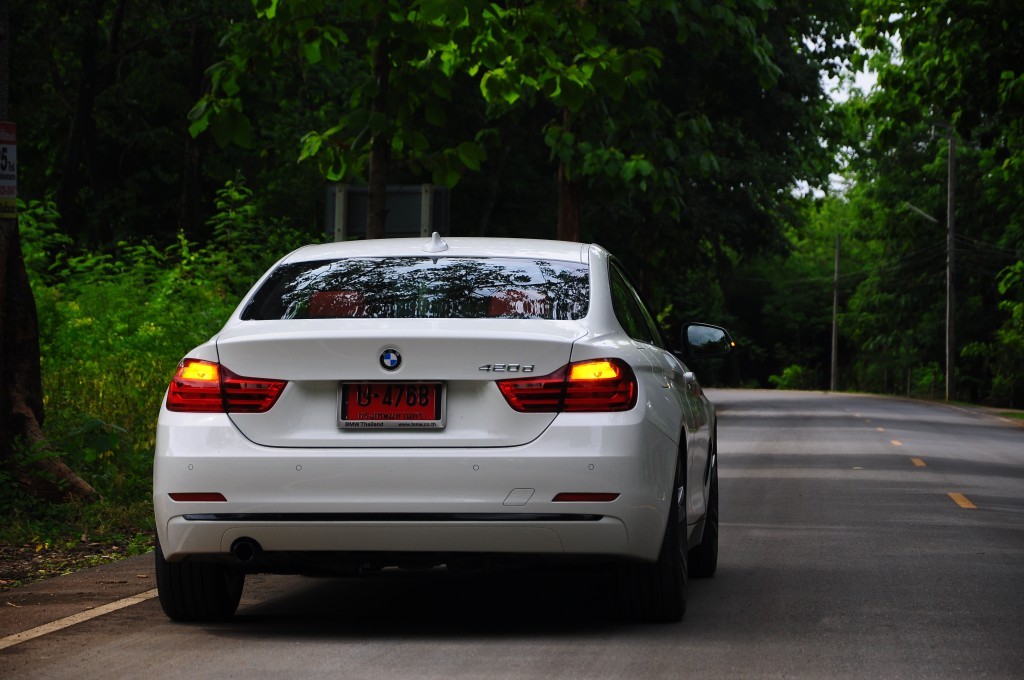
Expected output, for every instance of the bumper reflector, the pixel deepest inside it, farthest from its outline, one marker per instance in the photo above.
(578, 497)
(208, 497)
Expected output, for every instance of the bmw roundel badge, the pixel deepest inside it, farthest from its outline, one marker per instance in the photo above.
(390, 359)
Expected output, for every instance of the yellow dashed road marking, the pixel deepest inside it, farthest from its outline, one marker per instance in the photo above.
(917, 462)
(962, 501)
(896, 442)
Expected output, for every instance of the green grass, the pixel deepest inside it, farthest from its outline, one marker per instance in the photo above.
(42, 540)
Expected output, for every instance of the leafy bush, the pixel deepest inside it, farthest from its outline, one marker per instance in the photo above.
(113, 326)
(1009, 378)
(793, 377)
(927, 381)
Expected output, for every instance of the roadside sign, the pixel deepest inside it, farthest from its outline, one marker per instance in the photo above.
(8, 171)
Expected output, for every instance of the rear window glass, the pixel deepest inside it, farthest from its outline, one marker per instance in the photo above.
(424, 287)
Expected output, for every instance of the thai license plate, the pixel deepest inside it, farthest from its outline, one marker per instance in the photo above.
(391, 405)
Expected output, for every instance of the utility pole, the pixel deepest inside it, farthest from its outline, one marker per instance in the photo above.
(951, 266)
(834, 386)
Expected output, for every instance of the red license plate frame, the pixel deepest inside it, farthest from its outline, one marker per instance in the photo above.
(415, 405)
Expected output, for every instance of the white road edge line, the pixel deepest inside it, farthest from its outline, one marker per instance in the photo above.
(69, 621)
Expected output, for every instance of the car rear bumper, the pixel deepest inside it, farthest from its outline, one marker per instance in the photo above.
(604, 536)
(492, 500)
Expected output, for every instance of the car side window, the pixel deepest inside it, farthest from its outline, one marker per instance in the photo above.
(631, 315)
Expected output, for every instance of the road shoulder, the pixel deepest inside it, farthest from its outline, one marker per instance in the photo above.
(41, 602)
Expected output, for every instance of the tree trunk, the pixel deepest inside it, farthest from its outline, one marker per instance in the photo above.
(568, 197)
(21, 394)
(380, 149)
(493, 188)
(568, 207)
(21, 388)
(190, 214)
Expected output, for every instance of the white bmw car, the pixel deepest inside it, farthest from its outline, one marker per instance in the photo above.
(427, 402)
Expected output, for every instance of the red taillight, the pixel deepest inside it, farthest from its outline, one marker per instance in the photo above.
(249, 395)
(207, 387)
(602, 385)
(195, 388)
(541, 394)
(584, 386)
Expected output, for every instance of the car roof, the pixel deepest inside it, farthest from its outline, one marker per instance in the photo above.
(439, 246)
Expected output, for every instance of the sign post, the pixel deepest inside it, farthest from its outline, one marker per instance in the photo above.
(8, 171)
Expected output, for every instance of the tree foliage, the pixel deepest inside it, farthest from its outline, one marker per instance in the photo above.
(627, 98)
(947, 71)
(114, 323)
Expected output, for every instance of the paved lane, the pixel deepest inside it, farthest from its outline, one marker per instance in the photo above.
(843, 555)
(846, 549)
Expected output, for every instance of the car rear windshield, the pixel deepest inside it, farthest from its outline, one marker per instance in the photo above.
(424, 287)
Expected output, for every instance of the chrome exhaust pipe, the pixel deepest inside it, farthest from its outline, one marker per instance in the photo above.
(245, 549)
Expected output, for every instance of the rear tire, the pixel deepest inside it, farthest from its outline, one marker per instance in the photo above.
(657, 592)
(197, 592)
(704, 557)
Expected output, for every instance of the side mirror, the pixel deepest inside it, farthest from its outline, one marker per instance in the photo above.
(704, 341)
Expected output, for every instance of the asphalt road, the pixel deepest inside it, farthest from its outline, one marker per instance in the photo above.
(861, 537)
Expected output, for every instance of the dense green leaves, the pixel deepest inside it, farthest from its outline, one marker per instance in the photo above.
(946, 71)
(620, 92)
(113, 325)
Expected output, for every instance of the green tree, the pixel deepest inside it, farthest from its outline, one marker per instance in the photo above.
(609, 84)
(748, 150)
(949, 75)
(102, 90)
(392, 93)
(592, 70)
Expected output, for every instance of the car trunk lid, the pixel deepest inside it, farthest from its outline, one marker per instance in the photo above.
(466, 356)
